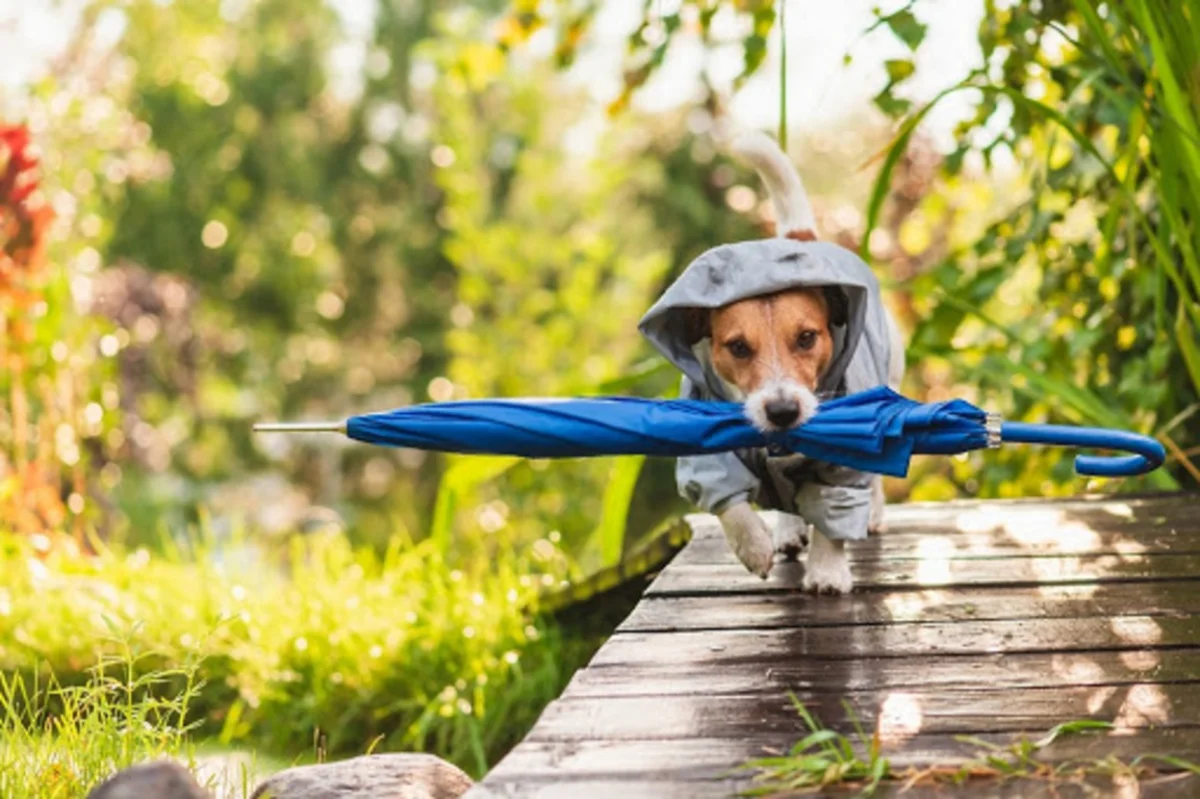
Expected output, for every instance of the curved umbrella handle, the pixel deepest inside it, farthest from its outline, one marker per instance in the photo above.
(1148, 453)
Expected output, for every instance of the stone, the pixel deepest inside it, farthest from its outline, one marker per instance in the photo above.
(162, 779)
(383, 776)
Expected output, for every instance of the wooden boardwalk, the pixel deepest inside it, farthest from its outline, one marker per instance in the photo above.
(990, 619)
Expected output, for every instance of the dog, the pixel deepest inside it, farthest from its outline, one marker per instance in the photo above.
(775, 352)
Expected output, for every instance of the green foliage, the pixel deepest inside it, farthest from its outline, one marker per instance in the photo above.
(821, 759)
(58, 742)
(556, 255)
(417, 650)
(1104, 247)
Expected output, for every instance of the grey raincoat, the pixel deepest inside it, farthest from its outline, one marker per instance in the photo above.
(833, 498)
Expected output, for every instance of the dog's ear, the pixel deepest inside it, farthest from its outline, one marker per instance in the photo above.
(696, 324)
(838, 305)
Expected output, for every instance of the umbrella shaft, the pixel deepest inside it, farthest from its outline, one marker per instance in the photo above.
(300, 427)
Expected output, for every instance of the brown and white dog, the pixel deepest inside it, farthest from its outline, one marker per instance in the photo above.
(770, 352)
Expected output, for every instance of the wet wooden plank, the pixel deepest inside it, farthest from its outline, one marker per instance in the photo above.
(700, 759)
(1183, 786)
(732, 578)
(985, 673)
(572, 787)
(942, 712)
(1142, 507)
(794, 609)
(1015, 538)
(718, 647)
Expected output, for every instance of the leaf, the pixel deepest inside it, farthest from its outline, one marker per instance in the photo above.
(891, 105)
(907, 28)
(815, 739)
(608, 538)
(1071, 728)
(464, 475)
(1175, 762)
(1185, 335)
(899, 68)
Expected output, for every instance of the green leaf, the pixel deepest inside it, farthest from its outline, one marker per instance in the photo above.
(1174, 762)
(815, 739)
(608, 539)
(899, 68)
(907, 28)
(891, 105)
(464, 475)
(1071, 728)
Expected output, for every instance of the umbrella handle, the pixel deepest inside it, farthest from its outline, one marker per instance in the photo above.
(1148, 453)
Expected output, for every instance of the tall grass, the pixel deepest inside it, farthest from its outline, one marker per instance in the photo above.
(418, 649)
(58, 741)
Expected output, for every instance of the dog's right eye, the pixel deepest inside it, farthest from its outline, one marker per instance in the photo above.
(739, 349)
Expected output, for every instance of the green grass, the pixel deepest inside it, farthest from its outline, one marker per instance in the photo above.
(340, 649)
(59, 741)
(826, 758)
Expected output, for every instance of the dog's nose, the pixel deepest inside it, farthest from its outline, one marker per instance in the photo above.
(782, 412)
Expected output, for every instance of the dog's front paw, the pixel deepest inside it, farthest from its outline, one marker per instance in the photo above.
(828, 578)
(790, 536)
(827, 571)
(749, 538)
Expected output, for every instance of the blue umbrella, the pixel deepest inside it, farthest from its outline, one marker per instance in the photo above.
(876, 430)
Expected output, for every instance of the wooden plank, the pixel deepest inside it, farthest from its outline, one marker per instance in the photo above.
(732, 578)
(697, 759)
(904, 543)
(716, 648)
(1145, 506)
(984, 673)
(1182, 786)
(941, 712)
(776, 610)
(571, 787)
(992, 529)
(1167, 786)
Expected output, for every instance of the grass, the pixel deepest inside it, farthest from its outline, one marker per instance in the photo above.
(414, 650)
(58, 741)
(826, 758)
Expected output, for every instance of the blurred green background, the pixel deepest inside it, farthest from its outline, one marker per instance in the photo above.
(306, 209)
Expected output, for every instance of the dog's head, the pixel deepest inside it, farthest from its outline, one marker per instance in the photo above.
(771, 351)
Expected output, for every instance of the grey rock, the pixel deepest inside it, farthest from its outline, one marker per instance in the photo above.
(384, 776)
(162, 779)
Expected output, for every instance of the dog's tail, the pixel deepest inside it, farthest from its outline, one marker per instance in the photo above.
(793, 213)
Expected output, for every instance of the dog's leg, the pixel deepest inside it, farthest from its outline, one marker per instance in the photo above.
(790, 536)
(827, 571)
(878, 500)
(748, 537)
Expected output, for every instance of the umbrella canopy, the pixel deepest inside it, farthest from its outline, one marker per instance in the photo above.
(876, 430)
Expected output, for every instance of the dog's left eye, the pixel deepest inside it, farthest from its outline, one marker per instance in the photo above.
(807, 340)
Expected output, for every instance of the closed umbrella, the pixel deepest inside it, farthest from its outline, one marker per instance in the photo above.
(876, 430)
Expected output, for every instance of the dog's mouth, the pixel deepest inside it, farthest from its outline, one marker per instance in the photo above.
(780, 406)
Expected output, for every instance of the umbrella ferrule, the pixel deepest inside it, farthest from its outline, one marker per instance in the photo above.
(300, 427)
(993, 425)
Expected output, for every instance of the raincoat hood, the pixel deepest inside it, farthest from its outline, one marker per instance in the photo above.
(735, 272)
(834, 499)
